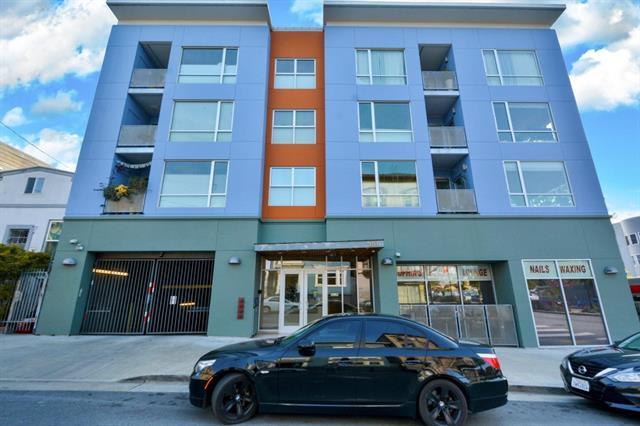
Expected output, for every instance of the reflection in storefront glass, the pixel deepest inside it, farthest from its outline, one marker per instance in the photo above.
(549, 313)
(365, 302)
(270, 300)
(444, 292)
(584, 310)
(477, 292)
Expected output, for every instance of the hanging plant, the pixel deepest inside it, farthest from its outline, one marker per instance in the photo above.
(116, 192)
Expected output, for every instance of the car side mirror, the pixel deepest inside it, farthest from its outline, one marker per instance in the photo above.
(306, 348)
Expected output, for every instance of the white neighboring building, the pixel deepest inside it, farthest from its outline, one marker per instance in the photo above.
(32, 205)
(628, 238)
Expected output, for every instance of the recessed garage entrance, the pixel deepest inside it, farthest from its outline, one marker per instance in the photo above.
(149, 296)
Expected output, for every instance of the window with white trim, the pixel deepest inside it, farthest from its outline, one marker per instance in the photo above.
(295, 74)
(53, 236)
(34, 185)
(511, 67)
(524, 122)
(194, 184)
(201, 121)
(634, 239)
(294, 126)
(389, 184)
(538, 184)
(208, 65)
(376, 66)
(384, 122)
(18, 236)
(292, 186)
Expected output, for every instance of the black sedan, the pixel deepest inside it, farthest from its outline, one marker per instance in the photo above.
(609, 374)
(343, 364)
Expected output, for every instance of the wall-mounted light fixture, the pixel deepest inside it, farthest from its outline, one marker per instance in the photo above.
(69, 261)
(387, 261)
(234, 260)
(398, 254)
(79, 247)
(610, 270)
(73, 242)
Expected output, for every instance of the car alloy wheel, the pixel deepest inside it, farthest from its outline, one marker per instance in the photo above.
(234, 399)
(442, 403)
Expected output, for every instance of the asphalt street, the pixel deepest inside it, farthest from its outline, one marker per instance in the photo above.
(137, 408)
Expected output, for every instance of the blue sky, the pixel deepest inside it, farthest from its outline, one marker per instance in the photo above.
(51, 52)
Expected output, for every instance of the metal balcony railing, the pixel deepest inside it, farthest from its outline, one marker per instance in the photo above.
(490, 324)
(137, 135)
(133, 204)
(148, 78)
(456, 201)
(439, 80)
(447, 137)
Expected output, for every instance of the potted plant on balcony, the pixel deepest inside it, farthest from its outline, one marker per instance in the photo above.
(123, 198)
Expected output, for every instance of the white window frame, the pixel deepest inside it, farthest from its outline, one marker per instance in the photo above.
(222, 71)
(513, 132)
(293, 186)
(374, 129)
(28, 228)
(216, 129)
(46, 236)
(370, 75)
(293, 126)
(210, 194)
(377, 179)
(295, 73)
(501, 75)
(533, 194)
(564, 298)
(38, 185)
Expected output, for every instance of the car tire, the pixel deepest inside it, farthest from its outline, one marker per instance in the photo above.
(234, 399)
(266, 309)
(442, 403)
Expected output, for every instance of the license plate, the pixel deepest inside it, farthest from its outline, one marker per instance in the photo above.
(583, 385)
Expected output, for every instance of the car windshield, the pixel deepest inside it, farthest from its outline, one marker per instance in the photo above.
(632, 343)
(297, 333)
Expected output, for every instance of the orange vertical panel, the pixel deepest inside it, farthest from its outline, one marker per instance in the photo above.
(302, 45)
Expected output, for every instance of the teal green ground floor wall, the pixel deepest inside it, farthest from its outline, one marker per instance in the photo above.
(502, 242)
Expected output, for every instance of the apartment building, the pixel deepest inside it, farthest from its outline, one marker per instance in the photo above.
(423, 160)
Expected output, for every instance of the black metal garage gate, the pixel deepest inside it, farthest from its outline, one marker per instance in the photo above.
(149, 296)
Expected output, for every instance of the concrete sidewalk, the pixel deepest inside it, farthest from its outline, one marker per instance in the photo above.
(127, 361)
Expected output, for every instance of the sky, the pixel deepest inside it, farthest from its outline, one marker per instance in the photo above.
(51, 52)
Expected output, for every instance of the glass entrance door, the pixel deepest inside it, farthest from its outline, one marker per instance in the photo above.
(303, 299)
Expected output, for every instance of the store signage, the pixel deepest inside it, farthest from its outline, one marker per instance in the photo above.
(475, 272)
(540, 269)
(410, 272)
(574, 269)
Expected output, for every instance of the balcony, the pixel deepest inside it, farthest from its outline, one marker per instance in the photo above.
(456, 201)
(133, 204)
(439, 80)
(148, 78)
(447, 137)
(134, 136)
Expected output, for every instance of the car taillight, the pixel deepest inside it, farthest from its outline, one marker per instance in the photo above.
(492, 359)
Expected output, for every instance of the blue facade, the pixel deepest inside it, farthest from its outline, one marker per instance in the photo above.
(475, 112)
(112, 107)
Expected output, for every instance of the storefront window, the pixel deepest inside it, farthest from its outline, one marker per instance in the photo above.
(565, 302)
(443, 284)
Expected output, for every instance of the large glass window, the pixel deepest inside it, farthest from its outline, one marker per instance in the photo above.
(34, 185)
(201, 121)
(380, 67)
(524, 122)
(538, 184)
(295, 74)
(389, 184)
(292, 186)
(511, 67)
(194, 184)
(565, 302)
(294, 126)
(336, 335)
(384, 122)
(53, 236)
(208, 65)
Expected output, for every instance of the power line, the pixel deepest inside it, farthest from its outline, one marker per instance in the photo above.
(35, 146)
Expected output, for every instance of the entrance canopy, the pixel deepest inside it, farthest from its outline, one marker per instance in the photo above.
(321, 247)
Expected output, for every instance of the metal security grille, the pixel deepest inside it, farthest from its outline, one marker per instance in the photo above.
(155, 296)
(26, 302)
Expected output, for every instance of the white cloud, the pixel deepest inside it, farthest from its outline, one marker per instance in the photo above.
(309, 10)
(62, 146)
(14, 117)
(59, 103)
(621, 215)
(46, 43)
(606, 78)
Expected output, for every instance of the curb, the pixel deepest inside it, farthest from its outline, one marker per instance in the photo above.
(553, 390)
(156, 378)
